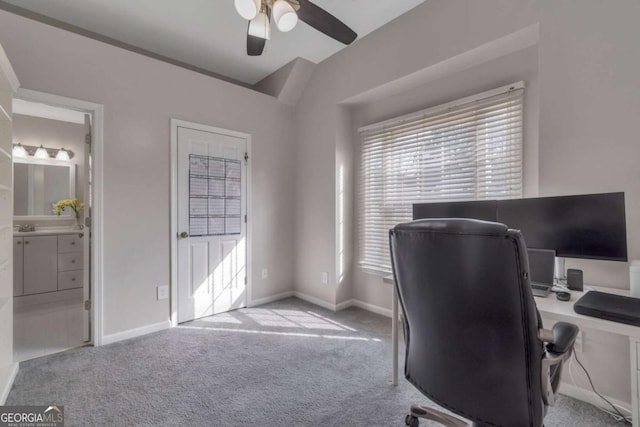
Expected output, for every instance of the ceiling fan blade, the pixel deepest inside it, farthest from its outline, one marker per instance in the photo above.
(255, 45)
(325, 22)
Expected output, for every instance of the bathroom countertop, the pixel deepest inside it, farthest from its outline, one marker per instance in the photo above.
(47, 232)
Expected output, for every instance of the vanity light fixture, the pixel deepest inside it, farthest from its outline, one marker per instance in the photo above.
(19, 150)
(62, 154)
(41, 152)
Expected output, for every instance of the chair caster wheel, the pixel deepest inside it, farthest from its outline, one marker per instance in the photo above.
(411, 421)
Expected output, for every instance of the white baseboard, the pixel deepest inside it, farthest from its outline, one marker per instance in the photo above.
(272, 298)
(7, 383)
(365, 306)
(592, 398)
(372, 308)
(136, 332)
(314, 300)
(324, 304)
(345, 304)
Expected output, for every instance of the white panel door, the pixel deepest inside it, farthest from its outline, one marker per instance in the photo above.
(211, 223)
(87, 198)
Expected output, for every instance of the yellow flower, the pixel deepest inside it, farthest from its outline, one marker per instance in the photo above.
(76, 206)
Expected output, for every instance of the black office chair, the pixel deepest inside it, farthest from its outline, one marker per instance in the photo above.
(474, 339)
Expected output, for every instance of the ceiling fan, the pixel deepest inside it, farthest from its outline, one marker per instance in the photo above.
(285, 14)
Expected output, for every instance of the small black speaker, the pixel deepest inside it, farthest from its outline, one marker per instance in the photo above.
(574, 279)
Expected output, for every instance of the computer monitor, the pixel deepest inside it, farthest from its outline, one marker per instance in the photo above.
(478, 209)
(590, 226)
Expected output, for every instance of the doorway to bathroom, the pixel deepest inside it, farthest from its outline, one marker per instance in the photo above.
(56, 237)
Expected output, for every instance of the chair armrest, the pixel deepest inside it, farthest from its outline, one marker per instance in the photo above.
(561, 338)
(559, 344)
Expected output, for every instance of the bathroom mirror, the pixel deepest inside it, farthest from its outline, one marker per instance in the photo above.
(37, 184)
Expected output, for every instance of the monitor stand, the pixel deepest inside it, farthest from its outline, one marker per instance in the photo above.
(559, 272)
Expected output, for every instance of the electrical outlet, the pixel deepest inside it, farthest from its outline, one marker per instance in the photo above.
(265, 273)
(325, 277)
(579, 343)
(163, 292)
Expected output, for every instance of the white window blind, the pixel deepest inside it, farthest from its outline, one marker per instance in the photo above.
(470, 149)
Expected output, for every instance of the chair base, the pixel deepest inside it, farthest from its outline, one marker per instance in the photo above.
(412, 420)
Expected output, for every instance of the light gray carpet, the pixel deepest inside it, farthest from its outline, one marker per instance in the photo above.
(288, 363)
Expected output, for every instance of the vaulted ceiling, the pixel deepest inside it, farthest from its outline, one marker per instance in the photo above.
(209, 34)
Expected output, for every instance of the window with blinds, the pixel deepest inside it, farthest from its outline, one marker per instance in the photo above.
(470, 149)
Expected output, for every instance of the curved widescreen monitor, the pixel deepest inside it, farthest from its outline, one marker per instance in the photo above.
(591, 226)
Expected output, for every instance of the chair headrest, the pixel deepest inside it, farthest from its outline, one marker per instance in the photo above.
(454, 226)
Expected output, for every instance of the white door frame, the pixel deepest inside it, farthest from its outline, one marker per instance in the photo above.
(175, 124)
(97, 272)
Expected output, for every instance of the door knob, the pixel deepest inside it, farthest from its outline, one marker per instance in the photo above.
(184, 235)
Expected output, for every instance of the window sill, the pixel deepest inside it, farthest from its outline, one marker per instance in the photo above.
(384, 275)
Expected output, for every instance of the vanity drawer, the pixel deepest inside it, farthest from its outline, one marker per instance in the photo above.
(70, 243)
(69, 279)
(70, 261)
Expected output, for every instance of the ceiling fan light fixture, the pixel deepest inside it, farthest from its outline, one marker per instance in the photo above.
(248, 9)
(284, 15)
(259, 26)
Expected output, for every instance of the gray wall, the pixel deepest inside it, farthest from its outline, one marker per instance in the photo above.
(589, 108)
(140, 96)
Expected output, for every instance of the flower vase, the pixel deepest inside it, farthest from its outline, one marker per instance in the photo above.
(79, 224)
